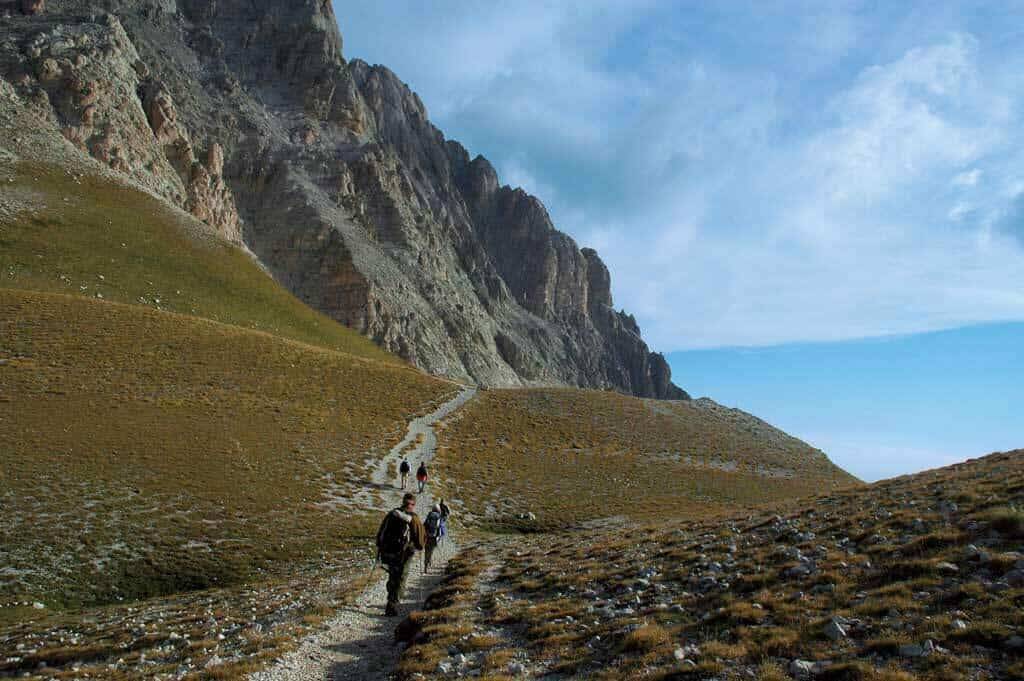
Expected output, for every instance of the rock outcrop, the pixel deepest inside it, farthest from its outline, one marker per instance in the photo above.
(87, 74)
(246, 114)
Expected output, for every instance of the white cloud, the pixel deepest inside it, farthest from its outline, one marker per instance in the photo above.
(849, 243)
(894, 125)
(968, 178)
(513, 172)
(960, 210)
(744, 198)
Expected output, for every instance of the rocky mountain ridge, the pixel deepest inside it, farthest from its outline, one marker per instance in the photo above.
(246, 114)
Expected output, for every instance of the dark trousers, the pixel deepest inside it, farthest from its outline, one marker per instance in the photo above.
(397, 573)
(428, 551)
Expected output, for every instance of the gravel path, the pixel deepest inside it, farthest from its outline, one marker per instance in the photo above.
(358, 642)
(424, 451)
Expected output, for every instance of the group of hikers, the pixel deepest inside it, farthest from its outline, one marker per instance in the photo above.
(421, 474)
(402, 534)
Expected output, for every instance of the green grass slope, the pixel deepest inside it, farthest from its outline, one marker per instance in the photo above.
(89, 236)
(570, 455)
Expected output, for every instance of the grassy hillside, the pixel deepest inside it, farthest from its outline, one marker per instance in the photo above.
(89, 236)
(569, 455)
(147, 453)
(916, 578)
(179, 434)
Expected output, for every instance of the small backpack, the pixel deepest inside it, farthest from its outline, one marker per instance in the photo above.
(394, 540)
(433, 524)
(404, 468)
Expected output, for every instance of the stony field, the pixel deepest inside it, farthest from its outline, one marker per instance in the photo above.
(916, 578)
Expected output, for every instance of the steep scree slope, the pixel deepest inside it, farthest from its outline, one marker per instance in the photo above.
(246, 114)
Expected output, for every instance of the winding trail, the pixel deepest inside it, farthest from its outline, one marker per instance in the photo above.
(423, 451)
(358, 642)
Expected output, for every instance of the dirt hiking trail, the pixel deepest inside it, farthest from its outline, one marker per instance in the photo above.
(358, 642)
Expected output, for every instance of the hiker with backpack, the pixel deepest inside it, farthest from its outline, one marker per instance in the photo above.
(404, 471)
(446, 513)
(400, 536)
(421, 476)
(435, 529)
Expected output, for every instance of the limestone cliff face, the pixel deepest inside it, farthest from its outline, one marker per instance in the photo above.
(245, 113)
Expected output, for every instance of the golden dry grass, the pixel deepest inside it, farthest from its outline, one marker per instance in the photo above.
(146, 452)
(569, 455)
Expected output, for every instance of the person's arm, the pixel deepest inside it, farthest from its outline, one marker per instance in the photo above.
(419, 534)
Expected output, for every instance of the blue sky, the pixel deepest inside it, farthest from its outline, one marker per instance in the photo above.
(879, 407)
(758, 175)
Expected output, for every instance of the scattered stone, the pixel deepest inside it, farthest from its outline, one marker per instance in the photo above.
(1014, 577)
(835, 631)
(913, 650)
(801, 669)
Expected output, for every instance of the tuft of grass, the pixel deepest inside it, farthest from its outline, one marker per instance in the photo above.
(1008, 521)
(646, 638)
(771, 671)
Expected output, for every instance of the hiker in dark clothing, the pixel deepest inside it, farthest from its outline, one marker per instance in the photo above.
(404, 470)
(400, 536)
(434, 526)
(421, 476)
(445, 511)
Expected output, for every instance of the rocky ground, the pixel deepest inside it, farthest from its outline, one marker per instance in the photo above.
(920, 577)
(332, 610)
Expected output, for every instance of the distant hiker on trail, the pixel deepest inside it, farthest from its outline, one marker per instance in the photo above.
(404, 470)
(400, 536)
(421, 476)
(435, 528)
(445, 511)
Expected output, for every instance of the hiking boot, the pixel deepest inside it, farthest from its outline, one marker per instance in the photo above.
(390, 610)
